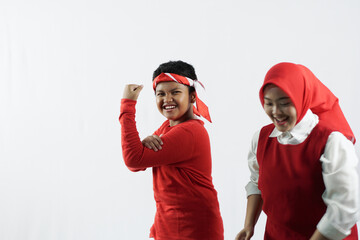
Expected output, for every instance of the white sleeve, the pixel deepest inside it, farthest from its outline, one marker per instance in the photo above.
(252, 186)
(341, 196)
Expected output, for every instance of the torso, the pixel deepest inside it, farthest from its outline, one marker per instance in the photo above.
(186, 201)
(291, 184)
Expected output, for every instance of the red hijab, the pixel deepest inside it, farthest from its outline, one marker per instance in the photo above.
(307, 92)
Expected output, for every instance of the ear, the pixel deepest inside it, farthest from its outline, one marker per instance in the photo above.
(193, 97)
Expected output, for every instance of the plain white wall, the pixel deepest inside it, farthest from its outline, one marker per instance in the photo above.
(63, 66)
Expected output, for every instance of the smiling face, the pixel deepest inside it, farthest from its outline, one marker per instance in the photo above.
(175, 102)
(279, 107)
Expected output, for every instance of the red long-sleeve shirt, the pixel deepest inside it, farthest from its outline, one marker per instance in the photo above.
(186, 201)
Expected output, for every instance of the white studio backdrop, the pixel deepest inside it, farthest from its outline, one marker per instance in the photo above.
(63, 66)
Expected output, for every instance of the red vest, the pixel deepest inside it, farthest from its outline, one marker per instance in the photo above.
(291, 184)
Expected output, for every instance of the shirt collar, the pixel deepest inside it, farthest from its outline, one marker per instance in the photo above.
(301, 130)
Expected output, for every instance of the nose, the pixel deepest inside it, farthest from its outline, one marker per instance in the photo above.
(276, 110)
(168, 98)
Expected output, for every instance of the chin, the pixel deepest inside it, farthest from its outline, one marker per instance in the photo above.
(281, 128)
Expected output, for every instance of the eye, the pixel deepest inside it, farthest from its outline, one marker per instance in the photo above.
(160, 94)
(268, 104)
(176, 92)
(285, 104)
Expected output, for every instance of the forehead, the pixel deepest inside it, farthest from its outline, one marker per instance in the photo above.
(168, 86)
(273, 92)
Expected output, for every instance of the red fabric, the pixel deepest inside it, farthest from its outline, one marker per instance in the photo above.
(201, 108)
(307, 92)
(292, 193)
(169, 77)
(186, 201)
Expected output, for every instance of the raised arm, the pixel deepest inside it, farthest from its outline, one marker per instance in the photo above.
(177, 143)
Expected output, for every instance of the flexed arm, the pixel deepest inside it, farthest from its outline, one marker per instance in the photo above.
(178, 144)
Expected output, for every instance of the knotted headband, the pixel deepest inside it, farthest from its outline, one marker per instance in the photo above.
(201, 109)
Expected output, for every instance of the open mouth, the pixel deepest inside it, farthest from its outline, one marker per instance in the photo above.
(169, 107)
(281, 121)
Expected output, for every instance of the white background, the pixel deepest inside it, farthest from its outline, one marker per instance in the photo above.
(63, 66)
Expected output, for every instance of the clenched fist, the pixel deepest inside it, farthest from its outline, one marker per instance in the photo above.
(132, 91)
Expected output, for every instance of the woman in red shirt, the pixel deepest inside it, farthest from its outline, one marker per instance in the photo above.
(179, 153)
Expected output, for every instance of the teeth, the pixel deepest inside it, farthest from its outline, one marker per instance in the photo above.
(169, 107)
(280, 120)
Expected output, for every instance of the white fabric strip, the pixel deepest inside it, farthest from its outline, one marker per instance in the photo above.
(171, 77)
(199, 88)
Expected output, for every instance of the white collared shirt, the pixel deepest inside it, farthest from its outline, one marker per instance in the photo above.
(339, 170)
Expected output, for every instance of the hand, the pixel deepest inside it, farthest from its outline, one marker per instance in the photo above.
(245, 234)
(153, 142)
(132, 91)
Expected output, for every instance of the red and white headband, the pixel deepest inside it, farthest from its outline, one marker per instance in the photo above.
(201, 109)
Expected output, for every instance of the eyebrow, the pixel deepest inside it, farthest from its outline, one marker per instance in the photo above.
(282, 98)
(177, 88)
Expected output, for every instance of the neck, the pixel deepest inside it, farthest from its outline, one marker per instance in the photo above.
(187, 116)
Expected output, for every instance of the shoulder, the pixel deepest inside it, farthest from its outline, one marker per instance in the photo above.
(193, 128)
(338, 149)
(339, 139)
(321, 130)
(269, 126)
(254, 141)
(164, 124)
(256, 136)
(162, 128)
(267, 130)
(321, 126)
(325, 129)
(193, 124)
(339, 153)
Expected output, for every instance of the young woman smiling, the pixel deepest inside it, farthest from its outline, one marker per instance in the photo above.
(303, 166)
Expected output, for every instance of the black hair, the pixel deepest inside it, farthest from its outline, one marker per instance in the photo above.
(177, 67)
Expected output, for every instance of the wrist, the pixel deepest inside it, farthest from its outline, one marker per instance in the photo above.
(249, 226)
(127, 100)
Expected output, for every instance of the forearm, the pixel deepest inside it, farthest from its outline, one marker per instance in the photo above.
(178, 144)
(318, 236)
(131, 145)
(253, 210)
